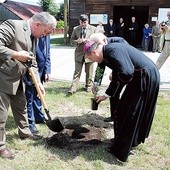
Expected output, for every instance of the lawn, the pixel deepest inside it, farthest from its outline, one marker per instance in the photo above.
(40, 155)
(58, 39)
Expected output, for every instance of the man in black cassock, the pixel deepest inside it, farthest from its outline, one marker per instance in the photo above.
(133, 118)
(114, 101)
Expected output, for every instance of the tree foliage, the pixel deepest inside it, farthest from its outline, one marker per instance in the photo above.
(60, 13)
(49, 6)
(60, 24)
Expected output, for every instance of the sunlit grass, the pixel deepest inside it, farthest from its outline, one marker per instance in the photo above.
(153, 154)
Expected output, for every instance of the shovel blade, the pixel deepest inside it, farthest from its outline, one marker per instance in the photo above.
(55, 125)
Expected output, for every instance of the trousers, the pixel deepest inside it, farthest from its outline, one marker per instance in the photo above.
(18, 107)
(165, 53)
(77, 74)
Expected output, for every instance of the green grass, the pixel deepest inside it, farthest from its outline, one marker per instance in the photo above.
(35, 155)
(57, 41)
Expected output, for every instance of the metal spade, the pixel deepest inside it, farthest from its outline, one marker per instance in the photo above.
(55, 124)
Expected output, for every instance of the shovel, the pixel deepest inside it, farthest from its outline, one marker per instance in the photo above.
(54, 125)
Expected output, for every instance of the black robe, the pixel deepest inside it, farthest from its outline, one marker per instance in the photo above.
(134, 116)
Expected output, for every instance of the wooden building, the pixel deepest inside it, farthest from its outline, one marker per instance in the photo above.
(17, 10)
(145, 11)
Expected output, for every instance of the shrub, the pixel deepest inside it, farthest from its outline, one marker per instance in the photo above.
(60, 24)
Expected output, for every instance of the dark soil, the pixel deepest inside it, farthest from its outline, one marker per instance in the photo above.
(75, 136)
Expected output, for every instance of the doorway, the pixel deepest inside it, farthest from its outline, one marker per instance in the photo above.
(141, 13)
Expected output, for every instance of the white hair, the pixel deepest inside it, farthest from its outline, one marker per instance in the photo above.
(98, 38)
(45, 18)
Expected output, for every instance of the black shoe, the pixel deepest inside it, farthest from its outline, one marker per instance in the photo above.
(34, 136)
(112, 140)
(71, 91)
(37, 136)
(33, 128)
(108, 119)
(39, 122)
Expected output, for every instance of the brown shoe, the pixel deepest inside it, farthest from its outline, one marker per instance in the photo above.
(5, 153)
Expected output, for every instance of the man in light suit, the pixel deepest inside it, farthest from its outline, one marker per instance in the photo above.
(15, 48)
(165, 42)
(34, 105)
(156, 35)
(79, 35)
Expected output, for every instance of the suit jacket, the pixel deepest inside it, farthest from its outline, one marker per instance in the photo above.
(14, 36)
(77, 33)
(111, 28)
(156, 31)
(43, 60)
(43, 57)
(162, 39)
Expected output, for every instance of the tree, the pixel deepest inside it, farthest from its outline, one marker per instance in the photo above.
(60, 14)
(49, 6)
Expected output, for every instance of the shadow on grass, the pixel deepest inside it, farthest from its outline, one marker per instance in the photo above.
(10, 123)
(63, 89)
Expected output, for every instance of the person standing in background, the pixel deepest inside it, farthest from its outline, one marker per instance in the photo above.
(133, 27)
(147, 32)
(111, 29)
(156, 34)
(79, 35)
(120, 28)
(100, 28)
(165, 42)
(34, 105)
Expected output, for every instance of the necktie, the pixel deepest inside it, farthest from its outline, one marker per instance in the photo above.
(83, 32)
(33, 44)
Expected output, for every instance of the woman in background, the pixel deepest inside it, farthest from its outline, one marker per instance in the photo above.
(100, 28)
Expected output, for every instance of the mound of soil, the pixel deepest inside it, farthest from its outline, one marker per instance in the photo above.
(75, 136)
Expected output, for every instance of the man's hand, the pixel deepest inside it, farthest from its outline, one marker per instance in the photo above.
(79, 41)
(110, 77)
(100, 98)
(22, 56)
(47, 77)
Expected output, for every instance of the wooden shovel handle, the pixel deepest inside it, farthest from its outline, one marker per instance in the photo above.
(37, 88)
